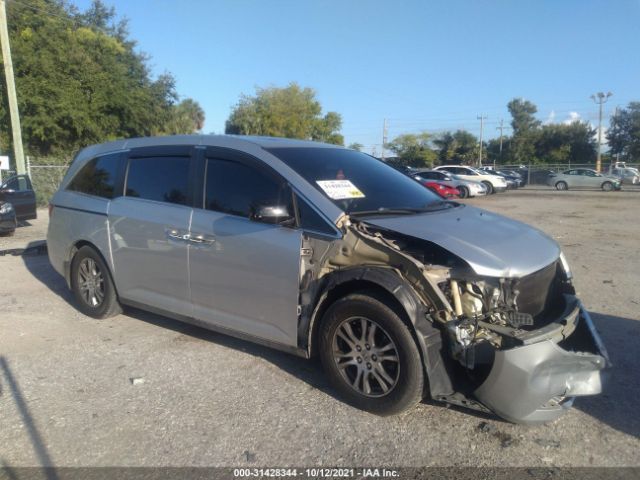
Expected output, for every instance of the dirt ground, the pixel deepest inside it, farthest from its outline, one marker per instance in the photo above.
(143, 390)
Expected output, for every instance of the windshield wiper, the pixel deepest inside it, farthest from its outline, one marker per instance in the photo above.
(405, 210)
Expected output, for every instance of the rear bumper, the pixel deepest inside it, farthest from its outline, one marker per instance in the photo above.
(537, 382)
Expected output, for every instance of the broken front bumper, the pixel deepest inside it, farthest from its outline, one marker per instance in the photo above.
(538, 381)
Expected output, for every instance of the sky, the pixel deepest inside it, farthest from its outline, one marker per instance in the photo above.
(422, 65)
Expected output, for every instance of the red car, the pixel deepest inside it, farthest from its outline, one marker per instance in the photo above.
(445, 191)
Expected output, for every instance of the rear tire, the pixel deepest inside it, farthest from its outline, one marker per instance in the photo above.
(464, 192)
(489, 186)
(562, 186)
(370, 356)
(607, 186)
(92, 285)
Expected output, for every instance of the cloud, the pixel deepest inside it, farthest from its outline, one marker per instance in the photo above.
(550, 118)
(573, 117)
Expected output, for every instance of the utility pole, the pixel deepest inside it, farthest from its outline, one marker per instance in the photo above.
(600, 98)
(482, 118)
(501, 128)
(384, 136)
(11, 91)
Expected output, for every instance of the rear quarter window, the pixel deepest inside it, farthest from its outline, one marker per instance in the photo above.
(98, 177)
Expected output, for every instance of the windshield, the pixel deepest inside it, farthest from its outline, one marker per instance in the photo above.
(357, 182)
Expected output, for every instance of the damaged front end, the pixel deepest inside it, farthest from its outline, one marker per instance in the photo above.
(522, 347)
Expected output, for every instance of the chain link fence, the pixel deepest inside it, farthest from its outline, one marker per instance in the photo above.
(46, 174)
(538, 174)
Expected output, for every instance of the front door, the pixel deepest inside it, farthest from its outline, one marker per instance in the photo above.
(244, 273)
(18, 191)
(149, 229)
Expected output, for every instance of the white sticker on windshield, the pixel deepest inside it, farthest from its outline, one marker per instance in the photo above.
(340, 189)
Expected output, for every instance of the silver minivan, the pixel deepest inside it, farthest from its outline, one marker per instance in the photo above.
(316, 249)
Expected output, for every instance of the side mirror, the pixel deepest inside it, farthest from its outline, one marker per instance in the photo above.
(274, 214)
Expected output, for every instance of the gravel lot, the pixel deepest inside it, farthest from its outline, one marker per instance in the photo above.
(68, 397)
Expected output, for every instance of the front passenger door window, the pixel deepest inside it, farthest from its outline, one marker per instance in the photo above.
(238, 189)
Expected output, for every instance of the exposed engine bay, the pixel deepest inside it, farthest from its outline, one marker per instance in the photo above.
(480, 321)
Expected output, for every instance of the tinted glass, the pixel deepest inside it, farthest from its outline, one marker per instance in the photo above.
(18, 183)
(381, 186)
(430, 175)
(163, 179)
(311, 220)
(97, 177)
(238, 189)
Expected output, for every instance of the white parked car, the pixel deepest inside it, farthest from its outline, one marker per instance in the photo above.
(494, 183)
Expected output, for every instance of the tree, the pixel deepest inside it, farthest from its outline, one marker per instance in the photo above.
(356, 146)
(493, 150)
(525, 128)
(80, 80)
(291, 112)
(561, 143)
(460, 147)
(186, 117)
(413, 150)
(623, 135)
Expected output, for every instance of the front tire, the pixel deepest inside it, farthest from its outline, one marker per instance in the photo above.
(607, 186)
(561, 186)
(370, 356)
(464, 192)
(489, 186)
(92, 285)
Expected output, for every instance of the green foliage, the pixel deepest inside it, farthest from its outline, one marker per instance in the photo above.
(80, 81)
(413, 150)
(562, 143)
(460, 147)
(186, 117)
(290, 112)
(356, 146)
(525, 127)
(624, 134)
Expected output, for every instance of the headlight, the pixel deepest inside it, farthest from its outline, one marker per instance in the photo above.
(6, 208)
(565, 265)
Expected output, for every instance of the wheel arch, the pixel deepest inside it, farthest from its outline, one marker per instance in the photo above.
(387, 286)
(72, 253)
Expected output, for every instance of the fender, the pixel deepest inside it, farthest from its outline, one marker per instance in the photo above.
(428, 337)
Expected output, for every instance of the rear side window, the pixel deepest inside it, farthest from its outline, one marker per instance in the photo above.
(97, 177)
(238, 189)
(162, 179)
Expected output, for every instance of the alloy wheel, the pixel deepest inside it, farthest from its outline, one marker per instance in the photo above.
(91, 282)
(366, 356)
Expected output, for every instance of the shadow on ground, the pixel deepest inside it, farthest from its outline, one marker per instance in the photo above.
(617, 406)
(9, 381)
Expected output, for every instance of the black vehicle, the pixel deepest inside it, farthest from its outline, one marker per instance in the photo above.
(537, 176)
(513, 181)
(516, 175)
(8, 222)
(18, 191)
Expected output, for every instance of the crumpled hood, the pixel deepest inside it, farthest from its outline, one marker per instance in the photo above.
(491, 244)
